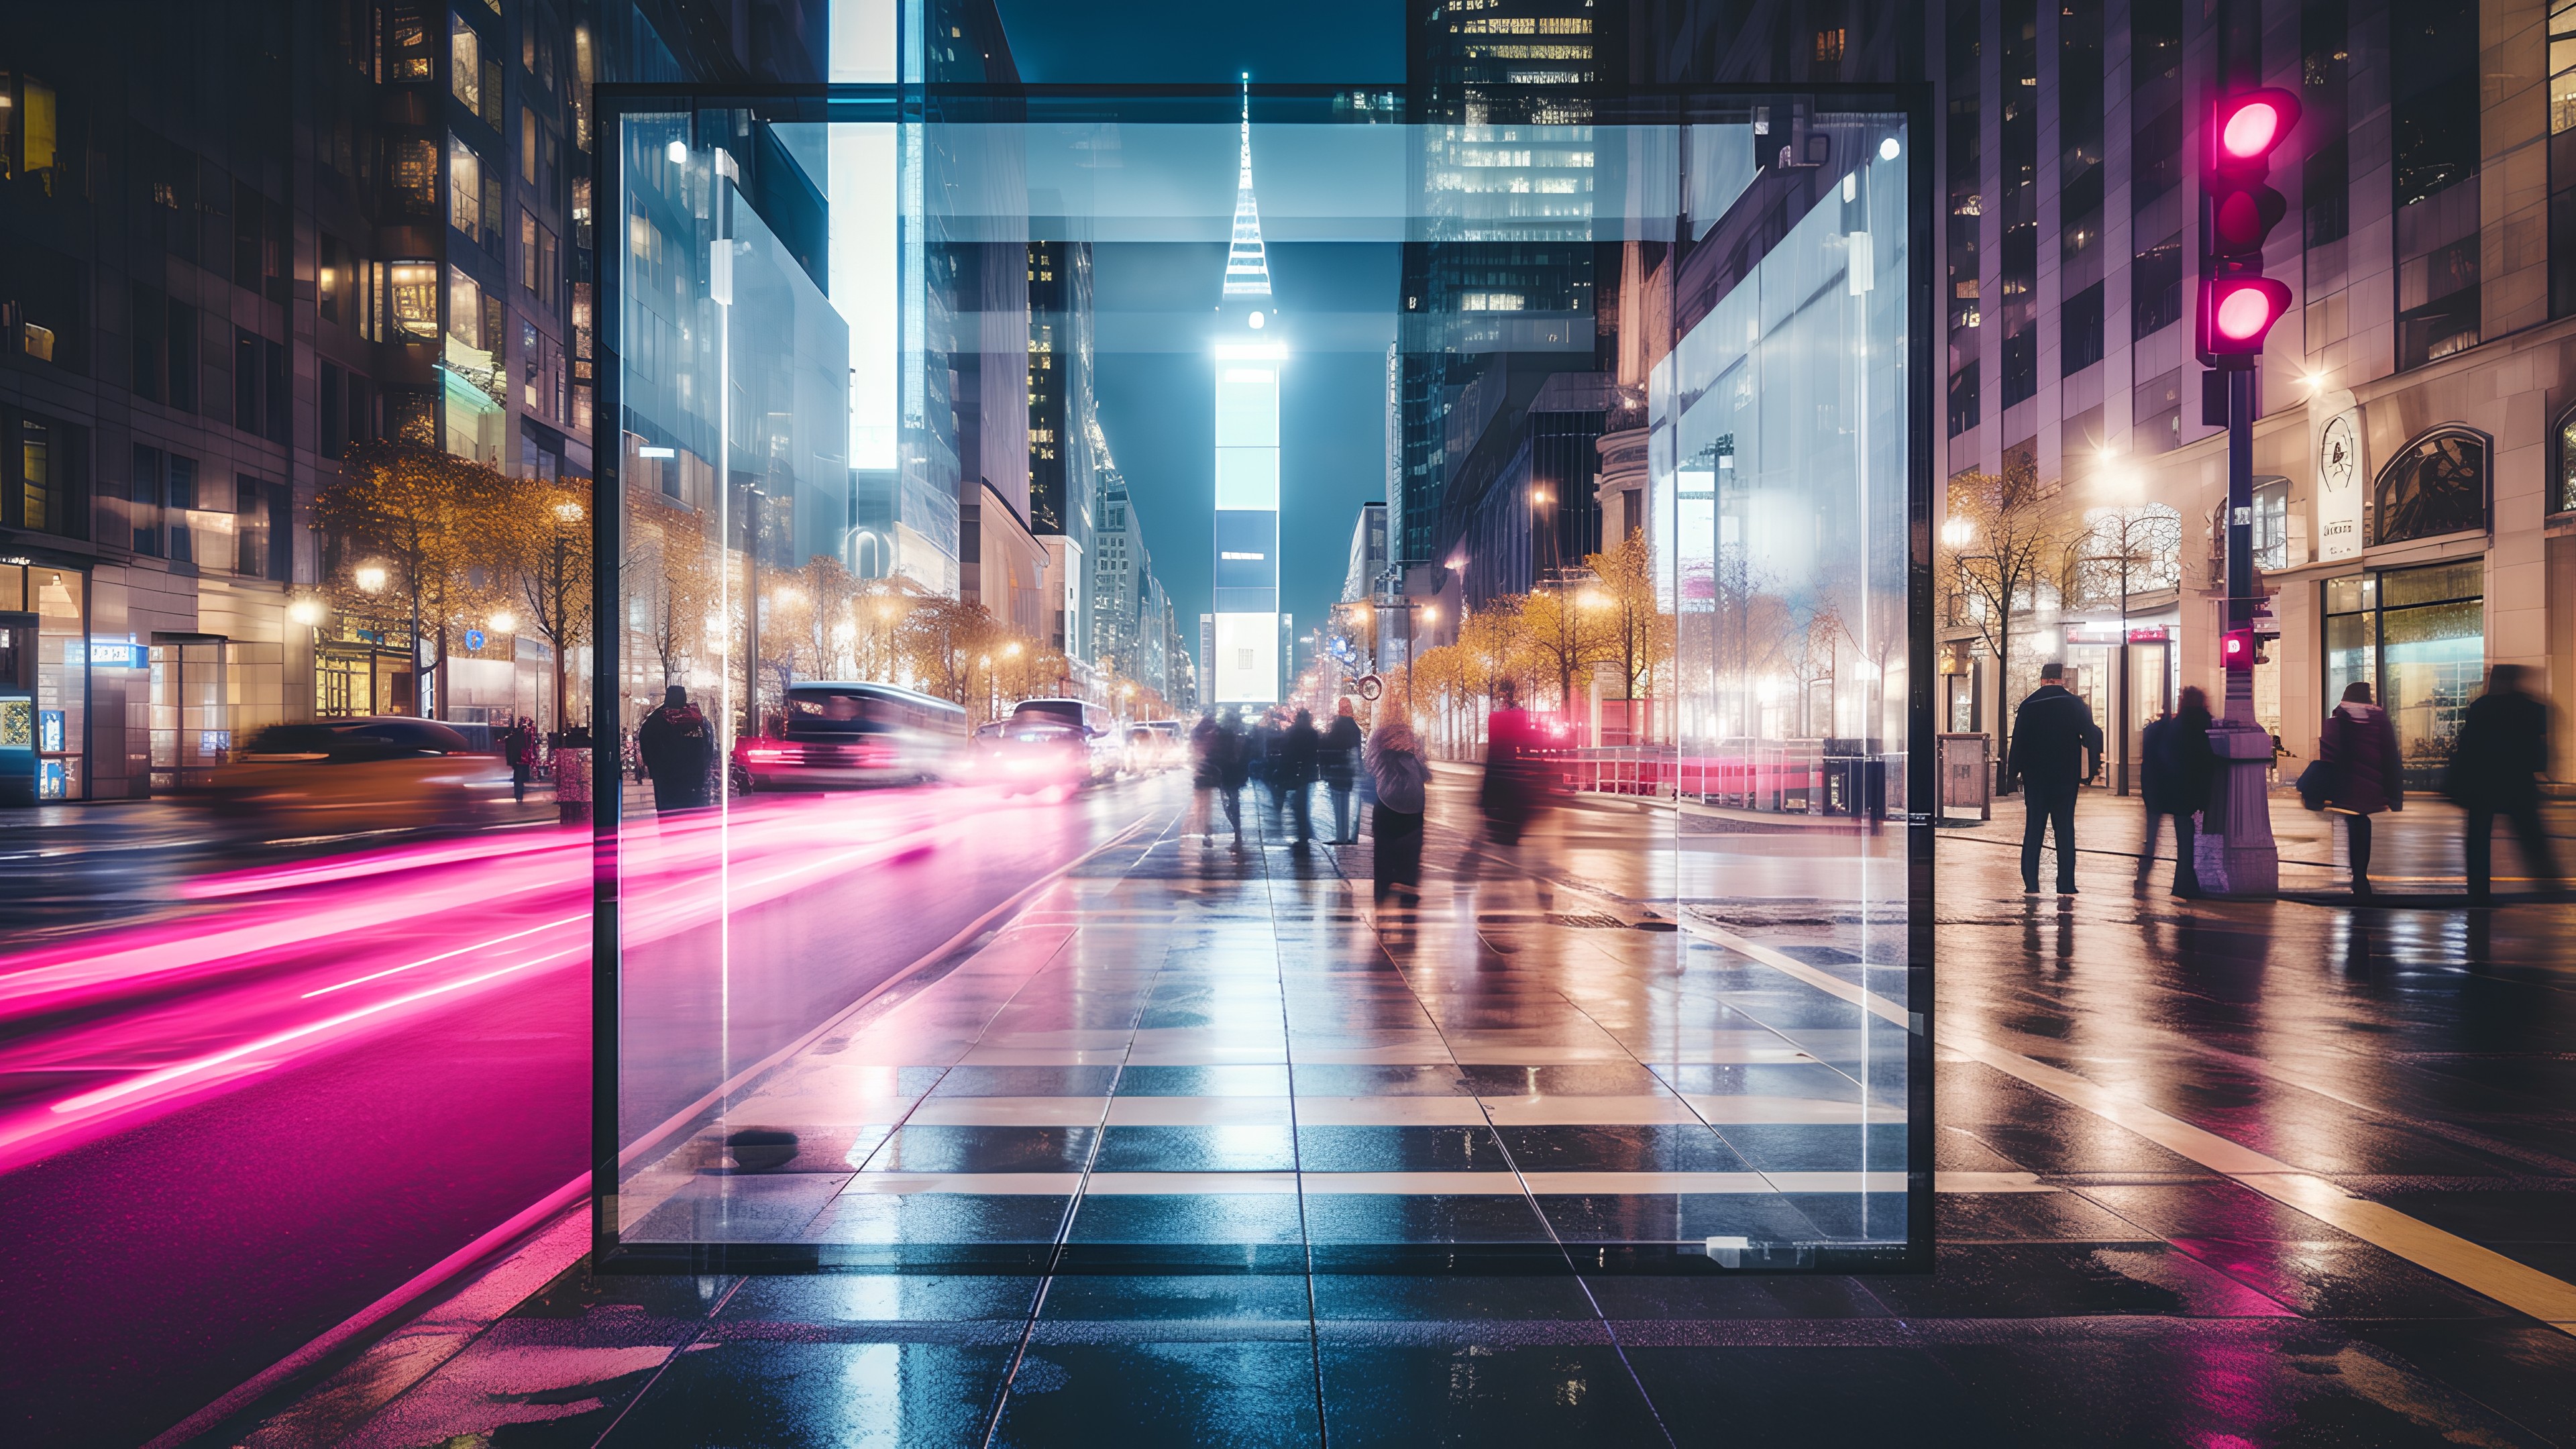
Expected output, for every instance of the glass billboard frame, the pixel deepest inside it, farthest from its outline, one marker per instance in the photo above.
(1669, 108)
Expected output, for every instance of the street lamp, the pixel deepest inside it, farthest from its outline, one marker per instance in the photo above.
(371, 578)
(503, 622)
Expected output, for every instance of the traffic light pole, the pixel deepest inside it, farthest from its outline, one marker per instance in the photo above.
(2237, 855)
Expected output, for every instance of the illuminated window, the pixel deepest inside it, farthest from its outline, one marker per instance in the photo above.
(464, 188)
(465, 64)
(412, 298)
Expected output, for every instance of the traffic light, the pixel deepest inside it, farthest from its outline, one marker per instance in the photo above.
(2238, 304)
(2236, 649)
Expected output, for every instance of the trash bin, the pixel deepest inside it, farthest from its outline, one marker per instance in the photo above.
(1967, 778)
(572, 786)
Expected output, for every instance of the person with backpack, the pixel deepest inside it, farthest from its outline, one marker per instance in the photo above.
(2496, 767)
(2359, 751)
(1393, 756)
(2056, 747)
(2177, 775)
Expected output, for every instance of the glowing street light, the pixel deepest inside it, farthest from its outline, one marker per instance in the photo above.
(504, 622)
(371, 578)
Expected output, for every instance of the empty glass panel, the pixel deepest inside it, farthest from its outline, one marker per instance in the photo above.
(991, 496)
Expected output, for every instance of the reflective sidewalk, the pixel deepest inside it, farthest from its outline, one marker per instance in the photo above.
(2209, 1175)
(1185, 1057)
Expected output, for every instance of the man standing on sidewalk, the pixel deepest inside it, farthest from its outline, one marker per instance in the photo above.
(2056, 747)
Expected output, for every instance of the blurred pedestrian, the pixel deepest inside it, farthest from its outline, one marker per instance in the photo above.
(2496, 767)
(1211, 760)
(1301, 749)
(1511, 795)
(1393, 756)
(678, 748)
(1261, 758)
(2056, 747)
(1237, 772)
(2177, 775)
(1340, 762)
(2359, 749)
(519, 747)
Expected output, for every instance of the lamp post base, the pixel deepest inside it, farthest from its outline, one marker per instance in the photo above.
(2236, 855)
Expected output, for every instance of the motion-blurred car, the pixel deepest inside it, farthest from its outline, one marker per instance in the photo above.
(1035, 752)
(1105, 751)
(381, 772)
(1153, 746)
(840, 736)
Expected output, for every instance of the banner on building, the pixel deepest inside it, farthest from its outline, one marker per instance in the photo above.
(2340, 477)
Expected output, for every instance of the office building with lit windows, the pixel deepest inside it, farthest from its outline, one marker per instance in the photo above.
(233, 244)
(2415, 450)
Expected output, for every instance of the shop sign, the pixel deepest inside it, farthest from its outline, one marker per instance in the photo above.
(113, 654)
(2339, 487)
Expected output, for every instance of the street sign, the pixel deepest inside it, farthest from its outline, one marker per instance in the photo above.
(473, 638)
(1370, 687)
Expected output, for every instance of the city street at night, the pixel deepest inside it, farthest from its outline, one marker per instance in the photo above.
(1103, 724)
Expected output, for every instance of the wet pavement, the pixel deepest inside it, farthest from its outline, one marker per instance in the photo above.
(2217, 1173)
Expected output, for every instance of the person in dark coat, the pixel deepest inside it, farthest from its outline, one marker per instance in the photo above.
(678, 748)
(1237, 772)
(519, 747)
(2496, 768)
(2056, 747)
(2178, 773)
(1213, 746)
(1393, 756)
(2360, 745)
(1340, 763)
(1301, 749)
(1261, 762)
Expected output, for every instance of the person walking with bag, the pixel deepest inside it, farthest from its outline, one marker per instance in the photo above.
(2496, 768)
(2359, 750)
(1341, 762)
(1396, 768)
(2179, 769)
(2056, 747)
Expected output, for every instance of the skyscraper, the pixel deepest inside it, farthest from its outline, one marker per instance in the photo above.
(1249, 354)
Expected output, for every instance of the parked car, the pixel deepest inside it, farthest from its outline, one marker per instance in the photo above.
(345, 775)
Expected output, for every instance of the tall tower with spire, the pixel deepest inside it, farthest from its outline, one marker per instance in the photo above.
(1249, 353)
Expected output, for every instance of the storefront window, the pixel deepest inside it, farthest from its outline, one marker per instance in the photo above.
(2436, 486)
(2418, 637)
(59, 598)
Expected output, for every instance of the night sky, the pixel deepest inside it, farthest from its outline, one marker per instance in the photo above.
(1336, 300)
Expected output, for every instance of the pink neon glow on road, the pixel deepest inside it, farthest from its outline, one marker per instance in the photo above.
(273, 964)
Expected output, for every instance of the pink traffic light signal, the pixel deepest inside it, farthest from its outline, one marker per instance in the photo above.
(2237, 312)
(2250, 125)
(2236, 649)
(2238, 304)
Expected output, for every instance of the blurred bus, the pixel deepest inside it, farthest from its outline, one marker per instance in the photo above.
(839, 736)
